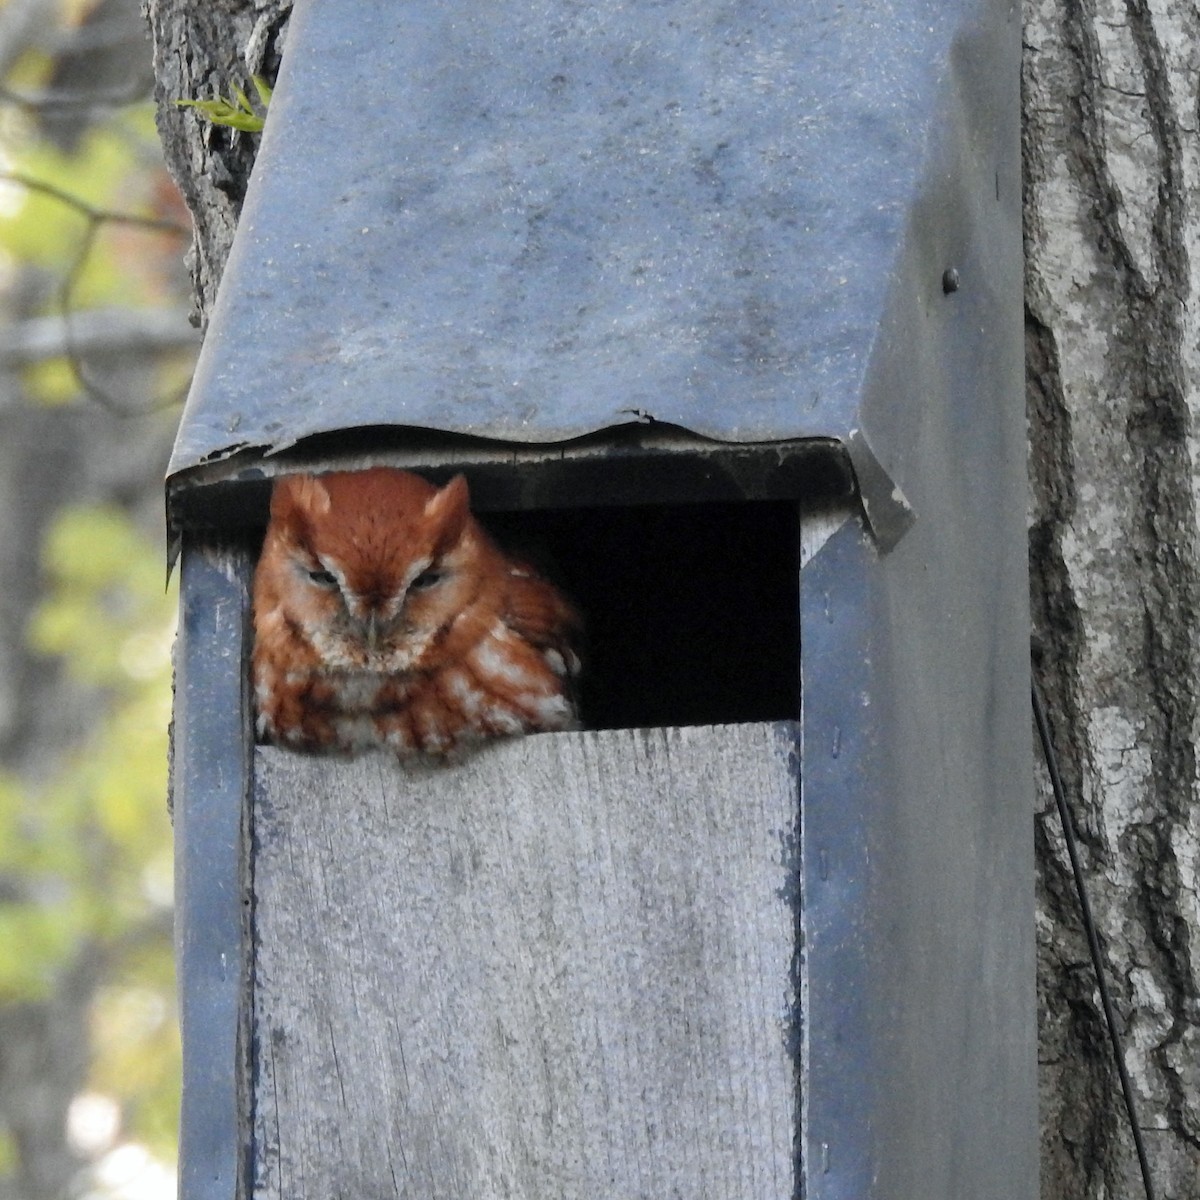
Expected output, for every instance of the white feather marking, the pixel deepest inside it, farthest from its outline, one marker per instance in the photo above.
(469, 698)
(359, 691)
(552, 712)
(432, 736)
(331, 648)
(356, 732)
(434, 741)
(491, 662)
(398, 740)
(420, 565)
(330, 565)
(398, 659)
(502, 719)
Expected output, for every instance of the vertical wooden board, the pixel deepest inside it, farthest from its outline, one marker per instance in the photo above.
(563, 968)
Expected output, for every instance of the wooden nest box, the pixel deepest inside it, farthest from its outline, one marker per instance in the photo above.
(722, 304)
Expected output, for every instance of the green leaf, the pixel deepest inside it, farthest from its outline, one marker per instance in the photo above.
(237, 113)
(222, 112)
(263, 88)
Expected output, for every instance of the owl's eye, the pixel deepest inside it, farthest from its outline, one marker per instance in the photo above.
(427, 579)
(323, 578)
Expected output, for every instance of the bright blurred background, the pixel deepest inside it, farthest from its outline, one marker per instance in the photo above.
(95, 350)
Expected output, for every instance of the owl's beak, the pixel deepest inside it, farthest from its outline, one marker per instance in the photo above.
(371, 632)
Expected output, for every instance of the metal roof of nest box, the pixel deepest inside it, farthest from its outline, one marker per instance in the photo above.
(532, 223)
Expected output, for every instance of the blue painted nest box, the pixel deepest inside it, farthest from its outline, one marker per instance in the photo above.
(723, 304)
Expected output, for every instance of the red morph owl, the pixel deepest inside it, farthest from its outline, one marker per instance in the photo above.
(385, 616)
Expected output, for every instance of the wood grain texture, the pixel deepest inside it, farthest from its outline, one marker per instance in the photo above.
(561, 969)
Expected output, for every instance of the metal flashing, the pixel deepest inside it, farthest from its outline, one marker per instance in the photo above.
(210, 773)
(531, 223)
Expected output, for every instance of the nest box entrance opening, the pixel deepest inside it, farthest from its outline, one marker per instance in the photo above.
(683, 563)
(692, 610)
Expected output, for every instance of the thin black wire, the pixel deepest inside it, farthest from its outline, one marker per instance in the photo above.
(1089, 925)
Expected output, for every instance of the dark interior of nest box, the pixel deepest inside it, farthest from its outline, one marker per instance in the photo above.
(691, 610)
(690, 596)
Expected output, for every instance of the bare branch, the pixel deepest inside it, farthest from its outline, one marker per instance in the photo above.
(90, 211)
(111, 331)
(63, 100)
(73, 343)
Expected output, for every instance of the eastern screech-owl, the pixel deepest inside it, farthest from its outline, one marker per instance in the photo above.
(385, 616)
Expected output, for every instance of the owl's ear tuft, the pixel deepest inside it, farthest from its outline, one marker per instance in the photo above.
(299, 496)
(449, 509)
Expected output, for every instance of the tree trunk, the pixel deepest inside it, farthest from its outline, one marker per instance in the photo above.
(1110, 160)
(1111, 227)
(203, 49)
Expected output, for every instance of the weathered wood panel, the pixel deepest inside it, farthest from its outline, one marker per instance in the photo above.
(561, 969)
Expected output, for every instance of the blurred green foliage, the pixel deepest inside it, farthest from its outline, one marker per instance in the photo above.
(85, 841)
(91, 844)
(92, 263)
(42, 227)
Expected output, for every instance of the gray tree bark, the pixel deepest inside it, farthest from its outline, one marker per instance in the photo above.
(203, 49)
(1111, 158)
(1112, 227)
